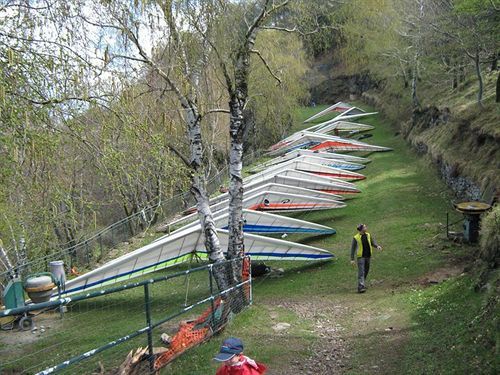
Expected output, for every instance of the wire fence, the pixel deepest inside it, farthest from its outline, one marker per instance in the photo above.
(155, 320)
(93, 250)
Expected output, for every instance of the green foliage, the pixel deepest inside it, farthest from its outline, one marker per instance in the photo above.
(455, 330)
(272, 103)
(490, 236)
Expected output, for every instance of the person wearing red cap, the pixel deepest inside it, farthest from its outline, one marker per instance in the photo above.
(235, 363)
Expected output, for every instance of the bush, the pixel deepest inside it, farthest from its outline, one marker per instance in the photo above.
(490, 238)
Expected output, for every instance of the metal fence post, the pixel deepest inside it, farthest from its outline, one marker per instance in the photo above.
(210, 277)
(447, 225)
(250, 279)
(147, 301)
(100, 246)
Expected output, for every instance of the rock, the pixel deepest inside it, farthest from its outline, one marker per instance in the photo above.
(166, 339)
(281, 327)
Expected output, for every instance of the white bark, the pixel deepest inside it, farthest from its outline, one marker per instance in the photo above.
(198, 186)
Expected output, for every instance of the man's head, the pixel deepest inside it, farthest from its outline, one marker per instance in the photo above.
(230, 351)
(361, 228)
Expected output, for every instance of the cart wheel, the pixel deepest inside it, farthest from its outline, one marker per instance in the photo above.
(25, 323)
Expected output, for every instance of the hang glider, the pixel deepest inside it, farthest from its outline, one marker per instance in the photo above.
(303, 140)
(295, 154)
(342, 127)
(307, 180)
(305, 166)
(342, 145)
(301, 137)
(181, 247)
(343, 117)
(272, 202)
(313, 141)
(339, 107)
(323, 158)
(267, 223)
(274, 187)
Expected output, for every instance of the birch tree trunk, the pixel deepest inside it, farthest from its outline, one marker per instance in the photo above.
(238, 96)
(198, 186)
(188, 101)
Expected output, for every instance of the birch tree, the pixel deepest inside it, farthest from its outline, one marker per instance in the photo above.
(114, 49)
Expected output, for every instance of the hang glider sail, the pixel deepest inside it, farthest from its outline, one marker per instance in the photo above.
(342, 145)
(339, 107)
(307, 180)
(276, 188)
(343, 117)
(272, 202)
(295, 154)
(179, 248)
(323, 159)
(342, 127)
(305, 166)
(305, 140)
(267, 223)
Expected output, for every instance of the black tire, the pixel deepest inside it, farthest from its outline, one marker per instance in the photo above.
(25, 323)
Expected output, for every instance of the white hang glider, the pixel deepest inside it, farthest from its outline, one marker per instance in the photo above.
(342, 127)
(306, 166)
(323, 158)
(325, 155)
(343, 145)
(276, 188)
(179, 248)
(312, 141)
(307, 180)
(339, 107)
(266, 223)
(271, 202)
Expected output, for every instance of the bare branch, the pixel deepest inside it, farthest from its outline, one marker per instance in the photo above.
(297, 30)
(217, 110)
(266, 65)
(179, 154)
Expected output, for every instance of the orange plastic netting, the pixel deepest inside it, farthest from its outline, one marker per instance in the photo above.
(190, 334)
(196, 331)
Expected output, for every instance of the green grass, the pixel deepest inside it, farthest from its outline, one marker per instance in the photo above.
(455, 330)
(404, 204)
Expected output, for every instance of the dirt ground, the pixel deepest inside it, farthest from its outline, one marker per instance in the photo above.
(369, 320)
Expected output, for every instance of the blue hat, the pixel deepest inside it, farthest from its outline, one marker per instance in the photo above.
(230, 347)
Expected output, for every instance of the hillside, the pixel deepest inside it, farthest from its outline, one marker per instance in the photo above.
(418, 286)
(461, 138)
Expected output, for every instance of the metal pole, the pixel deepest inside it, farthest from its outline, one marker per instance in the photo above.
(250, 279)
(447, 224)
(147, 301)
(210, 274)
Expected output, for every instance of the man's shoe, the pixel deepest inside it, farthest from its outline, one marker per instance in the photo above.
(361, 290)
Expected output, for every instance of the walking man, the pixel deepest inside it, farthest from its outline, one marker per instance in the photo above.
(362, 245)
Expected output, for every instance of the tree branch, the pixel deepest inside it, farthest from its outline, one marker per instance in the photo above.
(266, 65)
(217, 110)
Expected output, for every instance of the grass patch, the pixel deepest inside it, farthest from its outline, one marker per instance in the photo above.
(404, 204)
(455, 330)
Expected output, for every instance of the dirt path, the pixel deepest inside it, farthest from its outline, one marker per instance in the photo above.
(359, 333)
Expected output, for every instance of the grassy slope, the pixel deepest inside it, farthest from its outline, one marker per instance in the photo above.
(403, 202)
(469, 140)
